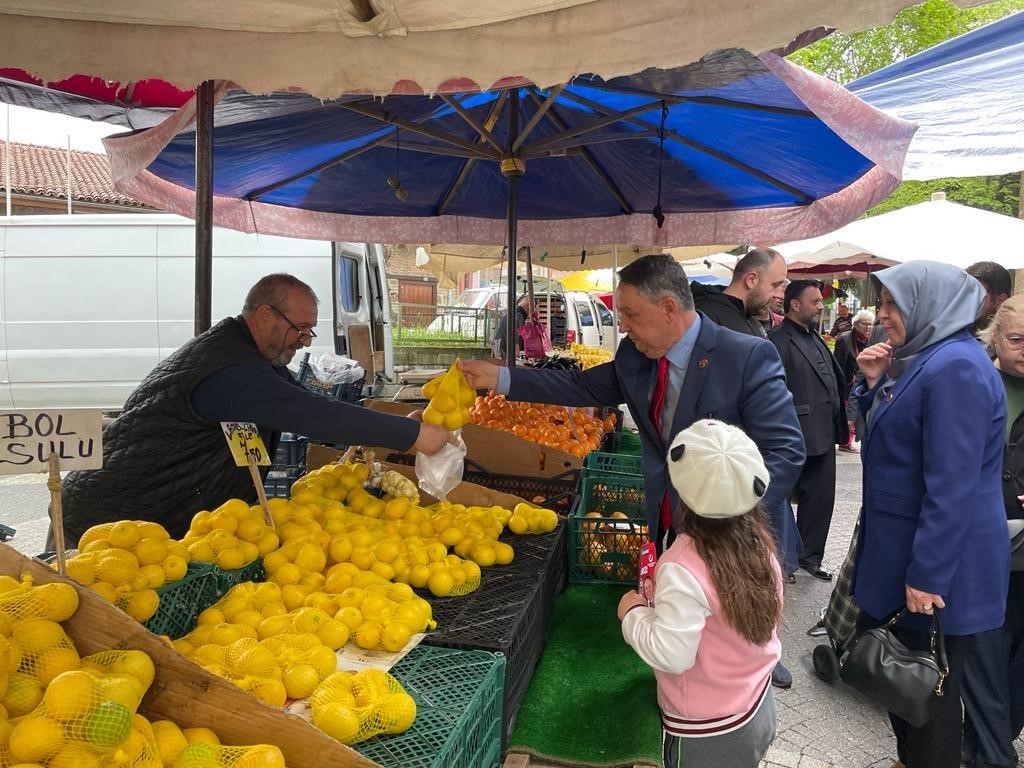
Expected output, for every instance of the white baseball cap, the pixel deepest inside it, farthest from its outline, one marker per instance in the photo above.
(717, 470)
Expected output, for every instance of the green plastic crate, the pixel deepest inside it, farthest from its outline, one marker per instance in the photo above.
(629, 442)
(604, 549)
(254, 571)
(616, 464)
(458, 711)
(182, 601)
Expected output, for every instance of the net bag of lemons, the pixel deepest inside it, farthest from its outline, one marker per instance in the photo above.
(450, 400)
(352, 707)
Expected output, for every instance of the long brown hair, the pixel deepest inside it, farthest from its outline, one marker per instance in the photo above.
(738, 554)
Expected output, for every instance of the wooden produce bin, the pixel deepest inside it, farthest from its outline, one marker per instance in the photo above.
(183, 691)
(494, 450)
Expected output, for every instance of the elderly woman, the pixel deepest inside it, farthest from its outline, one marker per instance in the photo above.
(848, 346)
(993, 690)
(933, 534)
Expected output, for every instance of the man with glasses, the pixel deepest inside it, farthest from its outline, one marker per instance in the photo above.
(165, 458)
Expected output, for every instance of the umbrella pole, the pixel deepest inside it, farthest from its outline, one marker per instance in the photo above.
(615, 306)
(510, 315)
(204, 207)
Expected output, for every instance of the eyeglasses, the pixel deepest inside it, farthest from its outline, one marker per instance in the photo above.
(309, 334)
(1014, 343)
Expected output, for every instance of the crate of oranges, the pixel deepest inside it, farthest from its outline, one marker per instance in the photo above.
(576, 431)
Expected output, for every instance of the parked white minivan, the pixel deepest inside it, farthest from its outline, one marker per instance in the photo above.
(589, 321)
(89, 304)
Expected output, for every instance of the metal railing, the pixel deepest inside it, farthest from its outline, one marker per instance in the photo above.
(427, 325)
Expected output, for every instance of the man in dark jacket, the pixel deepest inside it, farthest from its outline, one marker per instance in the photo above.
(165, 457)
(819, 389)
(759, 277)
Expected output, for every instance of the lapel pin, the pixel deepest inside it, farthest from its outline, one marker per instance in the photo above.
(702, 363)
(888, 397)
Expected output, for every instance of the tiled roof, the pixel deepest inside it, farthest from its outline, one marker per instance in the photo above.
(42, 172)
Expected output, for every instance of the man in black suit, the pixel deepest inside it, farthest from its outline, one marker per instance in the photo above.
(819, 390)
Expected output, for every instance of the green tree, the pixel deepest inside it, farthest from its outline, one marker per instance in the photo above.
(845, 57)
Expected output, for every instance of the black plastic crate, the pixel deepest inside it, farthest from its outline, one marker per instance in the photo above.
(509, 613)
(278, 483)
(350, 393)
(557, 493)
(291, 452)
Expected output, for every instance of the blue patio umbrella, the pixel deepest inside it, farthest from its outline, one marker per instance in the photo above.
(732, 148)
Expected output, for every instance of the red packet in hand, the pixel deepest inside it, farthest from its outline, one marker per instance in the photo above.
(645, 572)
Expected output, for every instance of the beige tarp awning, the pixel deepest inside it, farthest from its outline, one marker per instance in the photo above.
(448, 261)
(330, 47)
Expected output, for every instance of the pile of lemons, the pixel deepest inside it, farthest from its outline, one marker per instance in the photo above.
(231, 536)
(63, 711)
(126, 562)
(353, 707)
(450, 397)
(526, 518)
(589, 356)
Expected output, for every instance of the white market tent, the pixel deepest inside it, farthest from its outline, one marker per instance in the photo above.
(331, 47)
(938, 230)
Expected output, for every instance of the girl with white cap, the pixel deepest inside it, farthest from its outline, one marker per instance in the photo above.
(711, 633)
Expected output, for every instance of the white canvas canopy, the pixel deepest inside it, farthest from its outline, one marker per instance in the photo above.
(330, 47)
(938, 230)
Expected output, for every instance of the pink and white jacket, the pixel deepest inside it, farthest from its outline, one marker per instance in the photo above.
(710, 679)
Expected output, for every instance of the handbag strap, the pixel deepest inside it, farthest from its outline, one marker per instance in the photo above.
(937, 642)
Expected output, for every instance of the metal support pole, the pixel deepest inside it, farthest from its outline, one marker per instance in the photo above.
(615, 306)
(204, 206)
(510, 313)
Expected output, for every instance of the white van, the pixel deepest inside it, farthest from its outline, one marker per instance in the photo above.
(90, 303)
(589, 321)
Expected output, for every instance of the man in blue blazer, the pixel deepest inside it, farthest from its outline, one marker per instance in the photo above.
(712, 373)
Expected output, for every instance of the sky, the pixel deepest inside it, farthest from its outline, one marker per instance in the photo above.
(47, 129)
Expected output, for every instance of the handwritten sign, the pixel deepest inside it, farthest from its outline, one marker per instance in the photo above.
(244, 440)
(28, 437)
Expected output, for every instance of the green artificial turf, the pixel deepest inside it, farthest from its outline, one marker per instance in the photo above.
(591, 700)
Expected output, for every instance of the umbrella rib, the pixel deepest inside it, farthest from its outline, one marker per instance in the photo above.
(447, 138)
(602, 139)
(465, 115)
(719, 101)
(674, 136)
(460, 177)
(431, 149)
(608, 119)
(541, 111)
(590, 160)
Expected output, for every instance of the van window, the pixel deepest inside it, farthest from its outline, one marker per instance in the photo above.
(605, 313)
(348, 283)
(585, 315)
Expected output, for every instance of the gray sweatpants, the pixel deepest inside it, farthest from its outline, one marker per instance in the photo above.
(742, 748)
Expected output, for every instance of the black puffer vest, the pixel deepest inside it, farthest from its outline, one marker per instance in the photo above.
(162, 461)
(1013, 469)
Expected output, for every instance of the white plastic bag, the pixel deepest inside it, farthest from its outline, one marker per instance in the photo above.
(440, 473)
(335, 369)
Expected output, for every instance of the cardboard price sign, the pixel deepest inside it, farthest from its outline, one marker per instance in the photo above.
(248, 450)
(29, 437)
(244, 441)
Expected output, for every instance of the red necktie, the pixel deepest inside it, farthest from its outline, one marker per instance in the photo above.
(657, 406)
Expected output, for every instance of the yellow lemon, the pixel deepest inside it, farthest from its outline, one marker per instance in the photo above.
(82, 568)
(169, 740)
(150, 551)
(260, 756)
(351, 616)
(202, 735)
(124, 534)
(338, 721)
(287, 573)
(503, 553)
(137, 665)
(36, 739)
(396, 713)
(270, 691)
(518, 524)
(142, 605)
(230, 559)
(440, 583)
(300, 681)
(368, 635)
(483, 554)
(99, 532)
(69, 695)
(54, 661)
(334, 633)
(175, 567)
(394, 636)
(75, 755)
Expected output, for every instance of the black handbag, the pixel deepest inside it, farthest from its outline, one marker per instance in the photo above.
(907, 683)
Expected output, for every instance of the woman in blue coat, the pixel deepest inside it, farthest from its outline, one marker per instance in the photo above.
(933, 535)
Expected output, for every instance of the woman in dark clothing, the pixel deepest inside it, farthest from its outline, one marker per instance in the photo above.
(993, 686)
(848, 346)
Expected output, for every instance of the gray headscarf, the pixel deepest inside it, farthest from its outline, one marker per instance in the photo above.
(935, 301)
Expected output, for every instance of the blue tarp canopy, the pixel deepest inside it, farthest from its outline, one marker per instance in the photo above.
(733, 148)
(967, 97)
